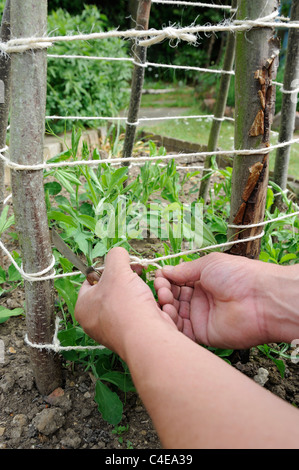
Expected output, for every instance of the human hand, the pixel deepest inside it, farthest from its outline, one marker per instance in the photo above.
(119, 302)
(216, 300)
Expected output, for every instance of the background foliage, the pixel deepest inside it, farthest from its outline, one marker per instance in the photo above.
(80, 87)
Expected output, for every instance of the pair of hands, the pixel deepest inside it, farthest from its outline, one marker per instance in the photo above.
(214, 300)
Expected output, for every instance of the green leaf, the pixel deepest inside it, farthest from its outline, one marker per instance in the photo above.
(86, 209)
(264, 256)
(288, 257)
(118, 177)
(60, 217)
(76, 136)
(2, 275)
(5, 313)
(109, 404)
(81, 239)
(66, 264)
(67, 291)
(65, 182)
(270, 198)
(54, 188)
(5, 222)
(60, 157)
(70, 336)
(222, 352)
(280, 366)
(13, 274)
(87, 221)
(68, 175)
(99, 250)
(120, 379)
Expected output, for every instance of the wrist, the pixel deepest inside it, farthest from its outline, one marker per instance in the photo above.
(150, 328)
(280, 305)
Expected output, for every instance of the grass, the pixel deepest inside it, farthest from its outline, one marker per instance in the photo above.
(197, 131)
(181, 98)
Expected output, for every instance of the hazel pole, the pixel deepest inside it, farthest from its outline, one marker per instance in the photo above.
(219, 111)
(288, 107)
(257, 54)
(5, 79)
(142, 23)
(29, 85)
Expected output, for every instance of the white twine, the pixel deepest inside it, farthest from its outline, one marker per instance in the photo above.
(55, 346)
(193, 4)
(7, 199)
(189, 167)
(146, 262)
(154, 35)
(169, 33)
(30, 277)
(44, 166)
(262, 224)
(140, 120)
(140, 64)
(157, 65)
(6, 49)
(41, 276)
(287, 92)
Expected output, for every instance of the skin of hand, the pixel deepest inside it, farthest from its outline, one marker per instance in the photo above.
(107, 309)
(227, 301)
(218, 300)
(195, 399)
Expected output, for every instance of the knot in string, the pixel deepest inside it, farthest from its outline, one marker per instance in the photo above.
(169, 33)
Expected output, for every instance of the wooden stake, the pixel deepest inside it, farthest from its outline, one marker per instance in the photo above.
(5, 77)
(256, 67)
(289, 105)
(219, 108)
(142, 23)
(29, 84)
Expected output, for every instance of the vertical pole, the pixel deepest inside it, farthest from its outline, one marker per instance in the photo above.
(29, 72)
(5, 77)
(256, 66)
(219, 107)
(142, 20)
(289, 104)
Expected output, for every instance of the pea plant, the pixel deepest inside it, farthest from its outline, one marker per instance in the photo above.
(280, 245)
(84, 202)
(10, 279)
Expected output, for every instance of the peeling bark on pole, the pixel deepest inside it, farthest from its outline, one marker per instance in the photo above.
(219, 107)
(256, 65)
(142, 23)
(29, 72)
(289, 104)
(5, 77)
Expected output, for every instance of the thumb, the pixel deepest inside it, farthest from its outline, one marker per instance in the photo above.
(117, 261)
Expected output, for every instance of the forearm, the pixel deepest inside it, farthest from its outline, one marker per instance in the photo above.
(196, 400)
(279, 302)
